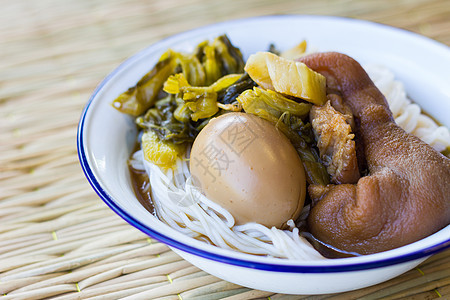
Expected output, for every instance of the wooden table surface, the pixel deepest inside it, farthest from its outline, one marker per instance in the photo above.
(57, 238)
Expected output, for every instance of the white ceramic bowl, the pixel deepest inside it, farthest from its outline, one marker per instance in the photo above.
(106, 139)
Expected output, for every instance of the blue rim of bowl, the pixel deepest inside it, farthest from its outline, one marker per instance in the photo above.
(108, 199)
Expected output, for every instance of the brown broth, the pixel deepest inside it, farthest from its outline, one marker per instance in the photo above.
(142, 188)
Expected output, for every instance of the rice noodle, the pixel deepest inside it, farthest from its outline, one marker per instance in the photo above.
(408, 115)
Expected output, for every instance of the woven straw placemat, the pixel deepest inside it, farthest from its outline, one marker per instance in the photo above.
(57, 238)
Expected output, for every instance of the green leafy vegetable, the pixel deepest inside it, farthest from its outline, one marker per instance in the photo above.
(209, 62)
(233, 91)
(302, 138)
(137, 99)
(161, 120)
(230, 56)
(201, 101)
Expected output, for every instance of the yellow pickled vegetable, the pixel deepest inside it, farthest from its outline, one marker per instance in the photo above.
(287, 77)
(192, 68)
(213, 70)
(161, 153)
(271, 104)
(201, 101)
(295, 52)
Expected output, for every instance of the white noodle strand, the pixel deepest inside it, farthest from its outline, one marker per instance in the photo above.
(408, 115)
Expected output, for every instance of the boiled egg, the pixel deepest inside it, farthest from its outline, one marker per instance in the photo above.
(244, 164)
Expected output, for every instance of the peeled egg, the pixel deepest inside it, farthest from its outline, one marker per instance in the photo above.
(244, 164)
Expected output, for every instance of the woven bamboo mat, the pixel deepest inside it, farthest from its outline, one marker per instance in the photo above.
(57, 238)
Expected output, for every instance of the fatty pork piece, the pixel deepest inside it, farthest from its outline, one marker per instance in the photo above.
(335, 141)
(406, 195)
